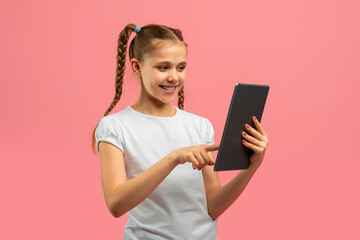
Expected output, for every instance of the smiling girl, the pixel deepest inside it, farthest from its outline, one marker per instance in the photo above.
(157, 159)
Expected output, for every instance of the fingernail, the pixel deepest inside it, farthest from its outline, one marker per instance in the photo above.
(244, 133)
(247, 126)
(255, 118)
(243, 141)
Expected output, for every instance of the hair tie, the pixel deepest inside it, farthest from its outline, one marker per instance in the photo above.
(137, 29)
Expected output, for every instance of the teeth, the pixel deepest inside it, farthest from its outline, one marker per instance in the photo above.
(168, 88)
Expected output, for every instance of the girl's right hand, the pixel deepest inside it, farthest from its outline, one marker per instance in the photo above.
(197, 155)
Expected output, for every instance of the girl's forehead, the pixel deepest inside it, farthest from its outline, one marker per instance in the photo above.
(169, 52)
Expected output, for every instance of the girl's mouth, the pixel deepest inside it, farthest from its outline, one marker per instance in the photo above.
(168, 88)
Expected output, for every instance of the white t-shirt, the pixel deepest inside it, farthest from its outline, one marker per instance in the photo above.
(177, 208)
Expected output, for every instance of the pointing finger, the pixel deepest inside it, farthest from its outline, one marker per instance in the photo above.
(213, 147)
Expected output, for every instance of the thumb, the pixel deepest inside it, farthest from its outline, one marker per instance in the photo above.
(211, 147)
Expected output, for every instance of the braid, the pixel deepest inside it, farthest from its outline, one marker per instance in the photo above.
(120, 66)
(120, 70)
(181, 98)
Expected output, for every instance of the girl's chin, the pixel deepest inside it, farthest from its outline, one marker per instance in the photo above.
(168, 100)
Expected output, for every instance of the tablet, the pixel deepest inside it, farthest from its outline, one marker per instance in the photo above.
(248, 100)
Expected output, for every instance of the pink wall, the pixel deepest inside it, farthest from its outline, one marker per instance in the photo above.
(57, 79)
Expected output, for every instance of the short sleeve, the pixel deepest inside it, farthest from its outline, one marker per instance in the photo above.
(108, 131)
(209, 135)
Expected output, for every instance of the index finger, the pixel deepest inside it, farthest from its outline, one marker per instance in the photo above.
(211, 147)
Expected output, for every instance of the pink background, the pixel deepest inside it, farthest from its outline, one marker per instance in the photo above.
(57, 79)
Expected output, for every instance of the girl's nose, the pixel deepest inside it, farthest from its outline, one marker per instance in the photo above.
(173, 75)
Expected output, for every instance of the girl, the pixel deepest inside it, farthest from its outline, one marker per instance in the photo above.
(157, 159)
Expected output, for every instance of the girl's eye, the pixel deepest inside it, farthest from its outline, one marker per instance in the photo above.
(165, 67)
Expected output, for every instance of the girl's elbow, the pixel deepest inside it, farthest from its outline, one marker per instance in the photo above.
(114, 209)
(116, 213)
(213, 216)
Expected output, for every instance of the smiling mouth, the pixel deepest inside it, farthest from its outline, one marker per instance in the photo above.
(168, 88)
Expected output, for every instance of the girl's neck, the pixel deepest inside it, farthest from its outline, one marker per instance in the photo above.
(152, 109)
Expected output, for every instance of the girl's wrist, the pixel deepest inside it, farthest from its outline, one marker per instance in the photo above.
(255, 166)
(173, 159)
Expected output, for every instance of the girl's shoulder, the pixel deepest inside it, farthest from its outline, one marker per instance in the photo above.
(119, 114)
(114, 120)
(191, 115)
(195, 118)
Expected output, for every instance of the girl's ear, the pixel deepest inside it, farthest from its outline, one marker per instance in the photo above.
(135, 65)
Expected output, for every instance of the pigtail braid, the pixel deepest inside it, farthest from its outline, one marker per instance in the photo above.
(181, 98)
(120, 70)
(120, 66)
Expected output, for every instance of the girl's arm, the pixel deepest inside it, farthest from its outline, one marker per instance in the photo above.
(220, 198)
(121, 195)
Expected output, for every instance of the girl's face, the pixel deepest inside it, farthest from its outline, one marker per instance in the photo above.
(163, 73)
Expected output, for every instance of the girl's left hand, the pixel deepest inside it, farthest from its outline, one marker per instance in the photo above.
(257, 141)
